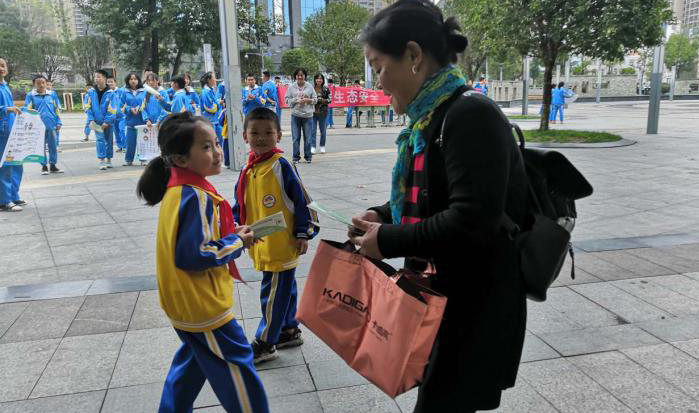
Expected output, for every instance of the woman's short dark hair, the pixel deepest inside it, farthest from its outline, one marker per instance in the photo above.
(390, 30)
(262, 113)
(301, 70)
(179, 80)
(205, 79)
(319, 76)
(175, 137)
(128, 77)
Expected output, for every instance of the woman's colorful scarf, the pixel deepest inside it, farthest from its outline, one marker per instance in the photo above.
(436, 89)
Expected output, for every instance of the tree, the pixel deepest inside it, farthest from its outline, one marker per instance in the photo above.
(88, 55)
(483, 42)
(603, 29)
(681, 51)
(49, 57)
(13, 46)
(332, 34)
(299, 57)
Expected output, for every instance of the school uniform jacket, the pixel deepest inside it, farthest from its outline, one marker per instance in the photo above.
(133, 99)
(152, 109)
(104, 111)
(195, 287)
(46, 106)
(6, 118)
(250, 104)
(273, 186)
(209, 104)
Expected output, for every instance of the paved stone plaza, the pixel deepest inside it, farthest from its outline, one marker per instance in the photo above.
(81, 329)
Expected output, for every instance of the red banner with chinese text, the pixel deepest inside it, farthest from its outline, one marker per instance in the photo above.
(348, 96)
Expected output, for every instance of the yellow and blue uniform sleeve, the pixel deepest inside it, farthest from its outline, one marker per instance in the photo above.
(113, 106)
(179, 104)
(294, 190)
(208, 101)
(195, 248)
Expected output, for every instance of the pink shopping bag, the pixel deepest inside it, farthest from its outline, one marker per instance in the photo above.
(381, 323)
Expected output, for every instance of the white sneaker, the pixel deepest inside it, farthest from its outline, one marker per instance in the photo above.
(322, 149)
(313, 149)
(103, 166)
(109, 164)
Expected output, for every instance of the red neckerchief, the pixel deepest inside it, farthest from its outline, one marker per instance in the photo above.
(184, 176)
(252, 161)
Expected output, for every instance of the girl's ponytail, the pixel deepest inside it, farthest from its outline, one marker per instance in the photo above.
(153, 182)
(175, 137)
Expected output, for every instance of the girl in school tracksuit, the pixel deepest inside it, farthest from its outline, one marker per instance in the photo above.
(87, 129)
(102, 107)
(210, 103)
(152, 109)
(267, 185)
(197, 243)
(10, 175)
(119, 122)
(42, 101)
(558, 101)
(194, 100)
(133, 97)
(181, 102)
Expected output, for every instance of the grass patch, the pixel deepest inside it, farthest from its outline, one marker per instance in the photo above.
(524, 117)
(569, 136)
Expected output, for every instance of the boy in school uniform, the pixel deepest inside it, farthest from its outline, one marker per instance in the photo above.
(102, 107)
(267, 185)
(42, 100)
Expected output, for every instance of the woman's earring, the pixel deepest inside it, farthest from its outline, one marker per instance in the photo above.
(414, 70)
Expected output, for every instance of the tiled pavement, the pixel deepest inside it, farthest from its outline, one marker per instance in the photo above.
(81, 329)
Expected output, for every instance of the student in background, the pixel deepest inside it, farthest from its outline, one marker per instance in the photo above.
(269, 91)
(481, 86)
(558, 101)
(210, 103)
(320, 114)
(119, 132)
(330, 121)
(181, 102)
(194, 100)
(54, 95)
(42, 101)
(133, 100)
(252, 95)
(278, 108)
(152, 109)
(10, 175)
(102, 107)
(87, 129)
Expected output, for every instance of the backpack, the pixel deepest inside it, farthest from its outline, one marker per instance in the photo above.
(543, 242)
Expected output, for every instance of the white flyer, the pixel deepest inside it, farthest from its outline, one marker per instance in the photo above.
(26, 141)
(269, 225)
(151, 90)
(147, 142)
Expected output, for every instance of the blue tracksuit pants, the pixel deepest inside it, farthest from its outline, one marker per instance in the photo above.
(279, 113)
(222, 356)
(278, 299)
(554, 110)
(349, 116)
(105, 143)
(130, 143)
(51, 141)
(119, 132)
(87, 129)
(10, 175)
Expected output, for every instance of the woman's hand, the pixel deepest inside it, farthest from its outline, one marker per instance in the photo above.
(369, 242)
(58, 127)
(105, 126)
(370, 216)
(158, 97)
(14, 109)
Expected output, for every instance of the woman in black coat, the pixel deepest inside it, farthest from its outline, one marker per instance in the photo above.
(458, 171)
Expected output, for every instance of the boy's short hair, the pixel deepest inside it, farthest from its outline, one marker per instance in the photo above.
(249, 75)
(103, 73)
(37, 77)
(266, 73)
(277, 78)
(262, 113)
(481, 79)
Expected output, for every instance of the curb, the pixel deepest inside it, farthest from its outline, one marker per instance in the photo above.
(616, 144)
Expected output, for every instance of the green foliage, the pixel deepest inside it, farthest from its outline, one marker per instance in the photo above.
(628, 71)
(149, 33)
(477, 19)
(603, 29)
(299, 57)
(332, 34)
(49, 57)
(87, 55)
(681, 51)
(13, 46)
